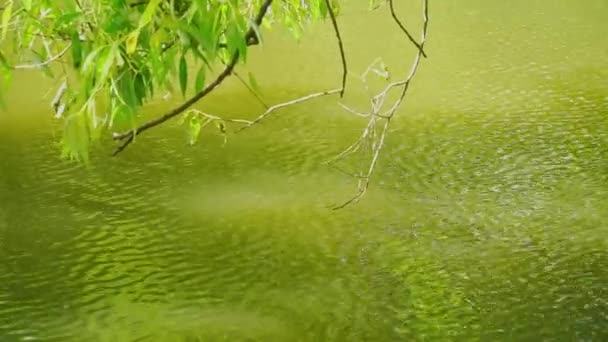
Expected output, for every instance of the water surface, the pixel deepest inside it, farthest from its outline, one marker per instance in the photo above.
(486, 219)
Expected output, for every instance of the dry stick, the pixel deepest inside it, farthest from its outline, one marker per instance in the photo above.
(388, 115)
(409, 36)
(340, 45)
(130, 135)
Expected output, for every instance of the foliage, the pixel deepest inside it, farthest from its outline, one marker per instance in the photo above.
(123, 52)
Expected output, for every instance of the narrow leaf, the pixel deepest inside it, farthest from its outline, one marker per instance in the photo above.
(183, 75)
(200, 80)
(6, 16)
(194, 129)
(105, 64)
(76, 50)
(146, 17)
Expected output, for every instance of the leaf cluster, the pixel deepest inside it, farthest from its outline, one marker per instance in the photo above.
(116, 55)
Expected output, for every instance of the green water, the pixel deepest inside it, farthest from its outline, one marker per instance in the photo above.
(487, 218)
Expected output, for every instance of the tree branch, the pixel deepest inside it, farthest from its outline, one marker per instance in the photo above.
(409, 36)
(340, 45)
(289, 103)
(44, 63)
(377, 102)
(129, 136)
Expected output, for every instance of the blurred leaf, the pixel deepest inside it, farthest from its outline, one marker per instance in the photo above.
(199, 84)
(146, 17)
(194, 128)
(106, 62)
(67, 19)
(335, 5)
(6, 17)
(76, 50)
(90, 60)
(131, 42)
(139, 88)
(4, 61)
(183, 75)
(27, 4)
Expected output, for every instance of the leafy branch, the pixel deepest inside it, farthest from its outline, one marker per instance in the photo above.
(128, 137)
(122, 52)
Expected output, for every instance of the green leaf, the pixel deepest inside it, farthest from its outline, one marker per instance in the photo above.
(27, 4)
(126, 87)
(183, 75)
(67, 19)
(89, 61)
(199, 84)
(194, 129)
(76, 50)
(6, 17)
(131, 42)
(146, 17)
(140, 89)
(106, 61)
(4, 61)
(322, 8)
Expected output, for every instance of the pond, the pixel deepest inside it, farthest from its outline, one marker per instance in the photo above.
(486, 219)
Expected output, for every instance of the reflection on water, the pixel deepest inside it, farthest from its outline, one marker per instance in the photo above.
(487, 218)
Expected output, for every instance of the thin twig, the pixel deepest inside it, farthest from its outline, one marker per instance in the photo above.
(45, 63)
(340, 45)
(289, 103)
(128, 136)
(254, 93)
(217, 118)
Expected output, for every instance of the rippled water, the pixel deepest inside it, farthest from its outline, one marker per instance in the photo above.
(486, 219)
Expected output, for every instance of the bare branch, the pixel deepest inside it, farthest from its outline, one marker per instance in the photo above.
(217, 118)
(45, 63)
(377, 102)
(130, 135)
(289, 103)
(56, 103)
(340, 45)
